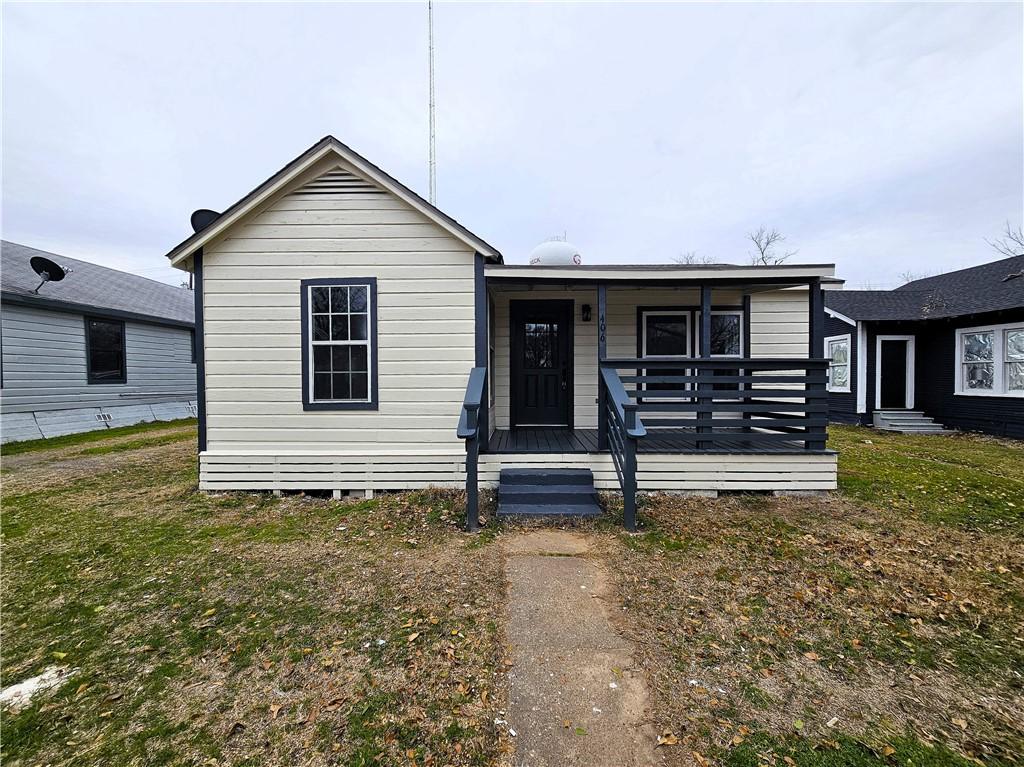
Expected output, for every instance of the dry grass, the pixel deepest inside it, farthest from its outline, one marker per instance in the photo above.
(239, 628)
(817, 626)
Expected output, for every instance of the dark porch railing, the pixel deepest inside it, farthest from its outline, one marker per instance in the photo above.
(729, 405)
(624, 429)
(469, 430)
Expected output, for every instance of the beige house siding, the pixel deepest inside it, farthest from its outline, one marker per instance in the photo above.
(778, 328)
(253, 349)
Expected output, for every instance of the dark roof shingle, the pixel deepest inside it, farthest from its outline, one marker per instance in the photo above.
(94, 286)
(991, 287)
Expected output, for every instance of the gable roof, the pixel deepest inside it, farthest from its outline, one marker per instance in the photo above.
(989, 287)
(324, 148)
(92, 287)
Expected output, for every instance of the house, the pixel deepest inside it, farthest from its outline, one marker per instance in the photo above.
(944, 351)
(356, 338)
(97, 349)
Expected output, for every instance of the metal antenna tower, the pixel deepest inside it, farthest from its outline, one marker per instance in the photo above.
(433, 152)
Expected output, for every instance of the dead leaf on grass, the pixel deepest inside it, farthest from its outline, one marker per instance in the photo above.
(667, 739)
(275, 709)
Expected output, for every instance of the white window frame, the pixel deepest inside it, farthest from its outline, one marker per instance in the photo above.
(848, 338)
(910, 358)
(998, 361)
(736, 313)
(643, 346)
(368, 343)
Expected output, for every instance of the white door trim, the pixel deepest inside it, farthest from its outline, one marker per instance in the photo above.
(909, 397)
(862, 367)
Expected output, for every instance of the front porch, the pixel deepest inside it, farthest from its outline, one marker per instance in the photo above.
(525, 440)
(651, 380)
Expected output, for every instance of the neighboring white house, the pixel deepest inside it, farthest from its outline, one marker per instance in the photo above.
(348, 325)
(97, 349)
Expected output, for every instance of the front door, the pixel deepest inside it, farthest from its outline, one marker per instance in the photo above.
(541, 348)
(893, 357)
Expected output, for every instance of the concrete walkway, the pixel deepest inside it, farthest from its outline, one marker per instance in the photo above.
(573, 697)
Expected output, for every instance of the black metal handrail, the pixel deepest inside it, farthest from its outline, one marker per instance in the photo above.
(711, 404)
(624, 428)
(469, 430)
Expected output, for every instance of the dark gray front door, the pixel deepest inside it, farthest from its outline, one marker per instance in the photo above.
(541, 349)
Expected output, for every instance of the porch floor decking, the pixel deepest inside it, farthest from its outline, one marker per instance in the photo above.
(555, 439)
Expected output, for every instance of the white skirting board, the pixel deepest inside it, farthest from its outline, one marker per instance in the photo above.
(408, 470)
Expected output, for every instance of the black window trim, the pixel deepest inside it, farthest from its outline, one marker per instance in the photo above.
(90, 380)
(307, 357)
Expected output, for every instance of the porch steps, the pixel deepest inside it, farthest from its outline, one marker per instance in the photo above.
(547, 493)
(908, 422)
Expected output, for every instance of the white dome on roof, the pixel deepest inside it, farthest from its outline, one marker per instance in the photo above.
(555, 253)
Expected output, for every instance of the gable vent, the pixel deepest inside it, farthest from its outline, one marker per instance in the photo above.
(338, 182)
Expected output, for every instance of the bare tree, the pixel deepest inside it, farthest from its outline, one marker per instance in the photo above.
(909, 276)
(690, 258)
(1011, 243)
(767, 242)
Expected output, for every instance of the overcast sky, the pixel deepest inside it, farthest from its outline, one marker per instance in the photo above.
(883, 138)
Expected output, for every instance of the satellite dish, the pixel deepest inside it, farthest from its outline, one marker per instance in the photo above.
(47, 270)
(202, 218)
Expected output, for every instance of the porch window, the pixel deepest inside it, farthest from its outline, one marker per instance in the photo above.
(666, 336)
(726, 333)
(339, 349)
(991, 361)
(837, 350)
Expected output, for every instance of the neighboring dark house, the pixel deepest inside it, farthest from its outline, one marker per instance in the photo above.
(99, 348)
(940, 351)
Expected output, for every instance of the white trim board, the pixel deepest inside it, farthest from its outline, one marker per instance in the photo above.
(862, 368)
(841, 317)
(910, 357)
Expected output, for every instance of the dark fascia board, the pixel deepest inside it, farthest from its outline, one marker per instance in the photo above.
(197, 238)
(54, 305)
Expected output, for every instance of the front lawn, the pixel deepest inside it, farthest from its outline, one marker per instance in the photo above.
(880, 626)
(883, 628)
(240, 628)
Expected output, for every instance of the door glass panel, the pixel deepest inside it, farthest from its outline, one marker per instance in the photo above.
(540, 345)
